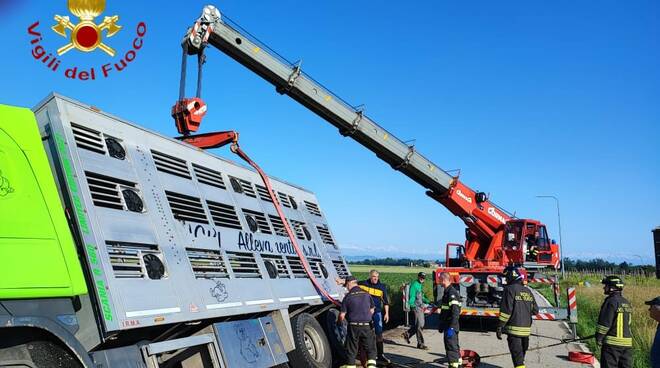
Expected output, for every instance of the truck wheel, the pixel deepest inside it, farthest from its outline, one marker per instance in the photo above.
(36, 354)
(312, 348)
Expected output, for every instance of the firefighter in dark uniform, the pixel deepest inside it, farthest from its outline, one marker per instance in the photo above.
(613, 330)
(357, 308)
(450, 312)
(516, 311)
(378, 292)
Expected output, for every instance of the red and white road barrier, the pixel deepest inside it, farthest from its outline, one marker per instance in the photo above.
(572, 305)
(542, 280)
(545, 316)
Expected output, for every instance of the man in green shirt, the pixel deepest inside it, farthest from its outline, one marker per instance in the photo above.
(416, 301)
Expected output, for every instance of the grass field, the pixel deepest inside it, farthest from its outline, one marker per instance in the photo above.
(637, 291)
(589, 298)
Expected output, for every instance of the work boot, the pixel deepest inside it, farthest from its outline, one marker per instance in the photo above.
(381, 356)
(422, 346)
(406, 337)
(384, 361)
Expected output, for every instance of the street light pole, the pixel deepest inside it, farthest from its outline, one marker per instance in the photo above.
(561, 242)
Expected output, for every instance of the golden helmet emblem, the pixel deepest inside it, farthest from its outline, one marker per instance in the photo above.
(86, 36)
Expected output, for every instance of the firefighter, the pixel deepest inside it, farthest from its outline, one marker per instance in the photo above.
(357, 308)
(416, 301)
(450, 311)
(378, 292)
(516, 311)
(613, 331)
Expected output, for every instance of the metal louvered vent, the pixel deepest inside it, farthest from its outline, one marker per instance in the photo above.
(313, 208)
(207, 264)
(245, 187)
(224, 215)
(244, 265)
(324, 232)
(170, 164)
(263, 193)
(300, 229)
(284, 199)
(262, 223)
(208, 176)
(187, 208)
(88, 139)
(278, 262)
(340, 267)
(296, 267)
(278, 225)
(315, 265)
(135, 260)
(110, 192)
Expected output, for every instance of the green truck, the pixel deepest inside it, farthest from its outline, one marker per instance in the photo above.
(120, 247)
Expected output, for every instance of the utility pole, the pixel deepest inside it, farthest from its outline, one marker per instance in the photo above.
(561, 242)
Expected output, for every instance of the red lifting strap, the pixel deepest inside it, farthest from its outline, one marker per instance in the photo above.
(238, 151)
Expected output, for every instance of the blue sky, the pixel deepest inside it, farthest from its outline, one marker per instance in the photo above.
(524, 97)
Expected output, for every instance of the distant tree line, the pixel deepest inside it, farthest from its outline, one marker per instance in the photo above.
(569, 264)
(601, 264)
(394, 262)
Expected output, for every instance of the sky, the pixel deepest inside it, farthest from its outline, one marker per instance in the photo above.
(525, 98)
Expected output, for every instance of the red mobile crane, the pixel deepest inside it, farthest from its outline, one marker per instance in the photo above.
(494, 238)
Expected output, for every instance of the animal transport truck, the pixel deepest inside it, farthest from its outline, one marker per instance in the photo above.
(120, 247)
(495, 238)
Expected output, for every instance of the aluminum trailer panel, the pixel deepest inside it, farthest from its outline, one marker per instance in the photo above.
(171, 233)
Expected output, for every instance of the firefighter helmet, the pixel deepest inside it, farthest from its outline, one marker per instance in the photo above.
(513, 273)
(613, 282)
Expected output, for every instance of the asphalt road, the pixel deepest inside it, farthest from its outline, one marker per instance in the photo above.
(477, 337)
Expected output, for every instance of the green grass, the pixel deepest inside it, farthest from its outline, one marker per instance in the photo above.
(390, 269)
(589, 299)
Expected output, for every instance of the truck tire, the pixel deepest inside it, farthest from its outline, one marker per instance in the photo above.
(36, 354)
(312, 347)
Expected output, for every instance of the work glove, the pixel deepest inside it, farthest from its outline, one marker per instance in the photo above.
(450, 332)
(498, 333)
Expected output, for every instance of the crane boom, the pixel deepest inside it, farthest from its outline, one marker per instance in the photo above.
(290, 80)
(493, 237)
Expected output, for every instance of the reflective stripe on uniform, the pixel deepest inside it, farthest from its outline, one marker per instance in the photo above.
(372, 291)
(518, 331)
(504, 317)
(619, 325)
(371, 363)
(455, 302)
(602, 329)
(618, 341)
(457, 363)
(520, 366)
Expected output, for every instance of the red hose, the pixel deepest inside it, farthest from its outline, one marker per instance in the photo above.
(235, 148)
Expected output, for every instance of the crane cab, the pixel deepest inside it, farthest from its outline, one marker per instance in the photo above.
(526, 242)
